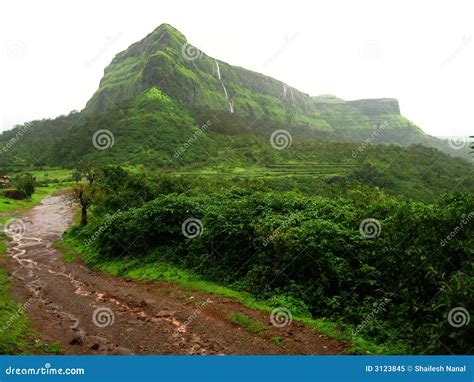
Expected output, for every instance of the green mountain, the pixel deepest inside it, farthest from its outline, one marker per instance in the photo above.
(165, 60)
(164, 103)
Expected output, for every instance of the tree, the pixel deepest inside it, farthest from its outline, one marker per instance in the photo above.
(88, 170)
(85, 194)
(85, 191)
(25, 184)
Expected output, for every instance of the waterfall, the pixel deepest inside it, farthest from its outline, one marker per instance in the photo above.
(225, 91)
(230, 102)
(218, 70)
(285, 90)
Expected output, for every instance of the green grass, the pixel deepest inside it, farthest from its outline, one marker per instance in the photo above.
(152, 270)
(277, 340)
(251, 325)
(61, 174)
(13, 208)
(320, 170)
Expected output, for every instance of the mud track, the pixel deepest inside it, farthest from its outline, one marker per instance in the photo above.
(87, 312)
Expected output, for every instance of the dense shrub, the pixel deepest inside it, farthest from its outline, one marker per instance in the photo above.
(25, 184)
(311, 249)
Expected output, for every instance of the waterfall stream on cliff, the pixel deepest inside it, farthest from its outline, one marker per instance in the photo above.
(230, 102)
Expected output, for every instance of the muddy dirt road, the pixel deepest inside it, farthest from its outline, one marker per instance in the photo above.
(87, 312)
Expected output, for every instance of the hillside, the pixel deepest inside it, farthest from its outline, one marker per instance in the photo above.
(165, 60)
(165, 103)
(194, 181)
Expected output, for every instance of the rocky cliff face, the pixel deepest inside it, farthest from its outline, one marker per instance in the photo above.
(377, 106)
(165, 60)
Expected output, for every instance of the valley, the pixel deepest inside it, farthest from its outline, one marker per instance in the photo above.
(197, 207)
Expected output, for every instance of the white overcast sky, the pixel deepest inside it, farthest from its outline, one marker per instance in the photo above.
(421, 52)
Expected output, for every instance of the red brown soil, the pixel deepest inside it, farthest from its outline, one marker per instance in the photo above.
(148, 317)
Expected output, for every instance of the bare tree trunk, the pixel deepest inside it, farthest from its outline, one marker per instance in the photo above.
(84, 216)
(83, 208)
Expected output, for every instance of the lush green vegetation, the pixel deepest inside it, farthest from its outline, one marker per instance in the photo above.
(280, 227)
(304, 252)
(154, 100)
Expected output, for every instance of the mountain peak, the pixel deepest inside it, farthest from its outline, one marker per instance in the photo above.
(165, 61)
(164, 30)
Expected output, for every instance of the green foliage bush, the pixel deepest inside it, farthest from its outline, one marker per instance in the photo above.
(308, 253)
(25, 184)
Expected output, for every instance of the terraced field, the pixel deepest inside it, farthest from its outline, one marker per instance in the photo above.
(318, 170)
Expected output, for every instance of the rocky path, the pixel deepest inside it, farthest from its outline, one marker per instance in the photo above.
(87, 312)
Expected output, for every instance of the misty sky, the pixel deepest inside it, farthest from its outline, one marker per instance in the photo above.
(53, 52)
